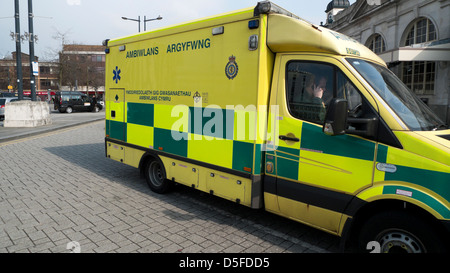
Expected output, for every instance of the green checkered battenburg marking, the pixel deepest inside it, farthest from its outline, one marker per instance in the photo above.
(140, 114)
(144, 114)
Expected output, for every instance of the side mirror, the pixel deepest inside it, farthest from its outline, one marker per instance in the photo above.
(365, 127)
(336, 118)
(338, 123)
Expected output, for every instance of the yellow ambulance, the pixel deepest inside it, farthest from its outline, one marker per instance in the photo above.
(265, 109)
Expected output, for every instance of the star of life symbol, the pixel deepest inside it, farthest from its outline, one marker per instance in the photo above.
(116, 77)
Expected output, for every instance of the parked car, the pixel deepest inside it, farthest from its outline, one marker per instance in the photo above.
(7, 94)
(69, 101)
(4, 101)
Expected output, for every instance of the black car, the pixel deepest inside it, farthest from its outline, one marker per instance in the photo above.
(69, 101)
(7, 95)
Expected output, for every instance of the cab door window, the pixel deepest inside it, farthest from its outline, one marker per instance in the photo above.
(85, 99)
(309, 89)
(311, 86)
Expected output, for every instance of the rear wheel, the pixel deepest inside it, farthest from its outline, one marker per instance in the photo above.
(400, 232)
(155, 175)
(69, 110)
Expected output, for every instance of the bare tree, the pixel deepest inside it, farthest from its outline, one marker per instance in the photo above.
(63, 63)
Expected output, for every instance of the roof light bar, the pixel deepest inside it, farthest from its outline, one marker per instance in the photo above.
(265, 7)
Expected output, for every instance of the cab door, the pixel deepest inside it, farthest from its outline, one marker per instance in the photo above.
(86, 103)
(316, 175)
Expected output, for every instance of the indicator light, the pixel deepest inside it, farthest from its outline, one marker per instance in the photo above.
(218, 30)
(253, 24)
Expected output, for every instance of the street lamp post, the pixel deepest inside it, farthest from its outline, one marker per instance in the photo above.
(136, 20)
(18, 51)
(139, 21)
(31, 40)
(148, 20)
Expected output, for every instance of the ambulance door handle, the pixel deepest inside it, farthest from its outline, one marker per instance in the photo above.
(289, 138)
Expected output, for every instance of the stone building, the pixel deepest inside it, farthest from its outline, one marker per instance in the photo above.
(411, 36)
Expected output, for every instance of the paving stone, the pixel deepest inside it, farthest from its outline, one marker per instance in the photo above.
(71, 192)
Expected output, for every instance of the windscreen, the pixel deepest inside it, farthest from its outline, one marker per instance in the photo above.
(412, 111)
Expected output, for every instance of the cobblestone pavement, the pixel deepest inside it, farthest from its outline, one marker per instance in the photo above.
(59, 188)
(59, 120)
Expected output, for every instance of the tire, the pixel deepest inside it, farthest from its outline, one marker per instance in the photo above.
(155, 175)
(69, 110)
(96, 109)
(400, 232)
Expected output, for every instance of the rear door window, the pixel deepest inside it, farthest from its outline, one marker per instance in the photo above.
(65, 97)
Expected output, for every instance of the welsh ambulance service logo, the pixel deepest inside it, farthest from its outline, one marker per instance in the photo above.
(116, 77)
(197, 97)
(231, 70)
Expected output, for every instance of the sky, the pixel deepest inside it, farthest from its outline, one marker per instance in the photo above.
(92, 21)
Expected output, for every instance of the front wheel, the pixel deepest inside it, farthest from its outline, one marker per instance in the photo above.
(155, 175)
(399, 232)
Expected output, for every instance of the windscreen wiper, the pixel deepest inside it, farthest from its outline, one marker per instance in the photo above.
(440, 127)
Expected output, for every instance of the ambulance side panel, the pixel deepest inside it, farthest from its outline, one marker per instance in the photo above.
(180, 94)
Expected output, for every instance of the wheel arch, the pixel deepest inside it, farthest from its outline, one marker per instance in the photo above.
(390, 203)
(146, 157)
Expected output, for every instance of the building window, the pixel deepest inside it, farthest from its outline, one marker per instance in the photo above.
(46, 83)
(376, 43)
(98, 58)
(44, 70)
(420, 76)
(421, 31)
